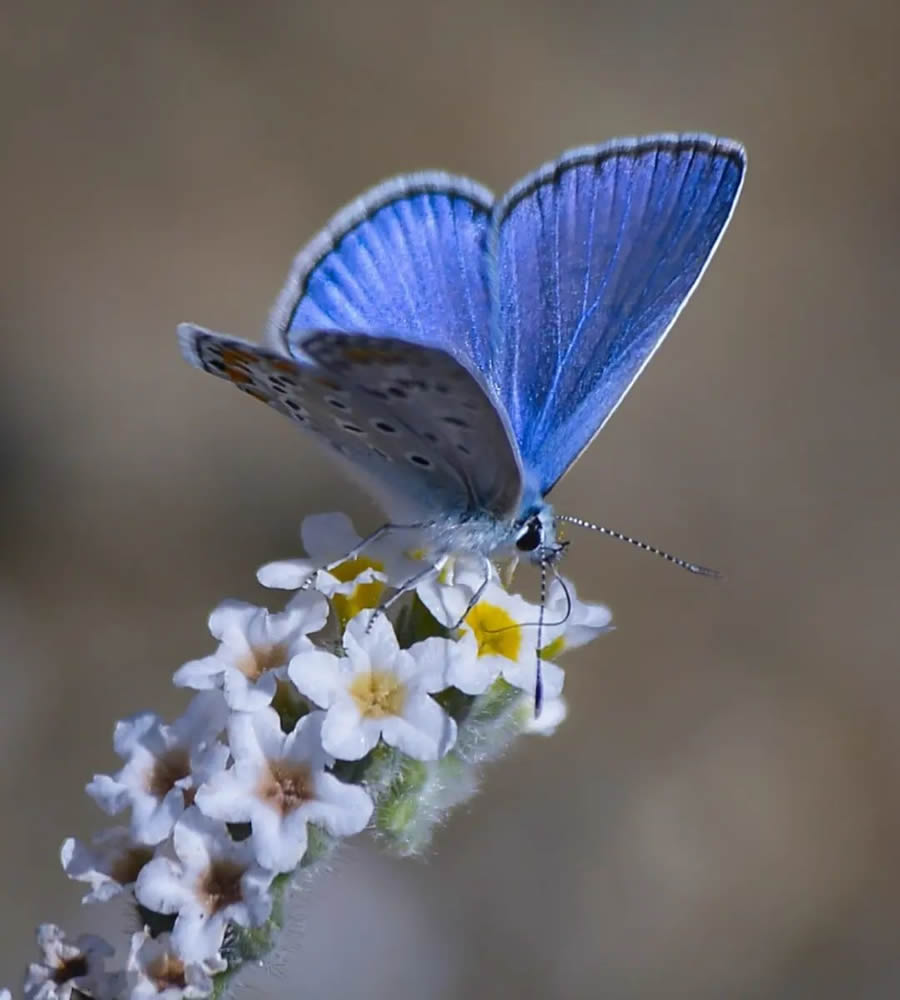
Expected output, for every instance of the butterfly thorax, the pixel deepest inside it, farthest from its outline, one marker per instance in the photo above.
(531, 535)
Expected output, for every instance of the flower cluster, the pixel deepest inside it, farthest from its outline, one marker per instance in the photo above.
(306, 725)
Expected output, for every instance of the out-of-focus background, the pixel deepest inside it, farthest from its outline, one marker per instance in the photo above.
(719, 816)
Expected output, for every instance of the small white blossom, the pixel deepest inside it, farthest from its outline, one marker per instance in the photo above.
(353, 584)
(578, 622)
(110, 865)
(255, 648)
(376, 691)
(458, 662)
(213, 881)
(500, 632)
(450, 591)
(156, 971)
(70, 967)
(278, 784)
(164, 765)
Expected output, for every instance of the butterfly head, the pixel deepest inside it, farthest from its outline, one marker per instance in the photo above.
(536, 538)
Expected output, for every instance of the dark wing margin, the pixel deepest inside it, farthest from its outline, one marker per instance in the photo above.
(406, 257)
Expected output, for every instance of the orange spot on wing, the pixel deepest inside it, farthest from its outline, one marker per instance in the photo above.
(238, 376)
(235, 356)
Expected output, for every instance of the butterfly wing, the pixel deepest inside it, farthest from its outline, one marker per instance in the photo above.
(408, 257)
(427, 389)
(596, 254)
(365, 402)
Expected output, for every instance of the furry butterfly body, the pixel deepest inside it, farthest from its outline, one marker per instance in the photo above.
(457, 353)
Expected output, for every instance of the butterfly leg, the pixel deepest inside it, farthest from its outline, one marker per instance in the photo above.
(476, 596)
(361, 546)
(409, 584)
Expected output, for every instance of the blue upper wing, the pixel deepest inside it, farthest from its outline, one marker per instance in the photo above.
(406, 259)
(596, 254)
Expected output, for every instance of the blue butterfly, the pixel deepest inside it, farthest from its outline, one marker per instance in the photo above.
(458, 353)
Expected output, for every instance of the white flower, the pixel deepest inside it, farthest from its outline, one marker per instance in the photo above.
(500, 633)
(376, 690)
(164, 765)
(66, 967)
(215, 880)
(553, 714)
(458, 662)
(569, 622)
(352, 584)
(255, 648)
(111, 865)
(449, 592)
(5, 994)
(279, 784)
(156, 971)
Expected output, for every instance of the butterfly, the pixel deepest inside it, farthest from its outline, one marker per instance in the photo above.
(458, 353)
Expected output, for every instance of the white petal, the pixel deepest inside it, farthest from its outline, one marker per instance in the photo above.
(265, 739)
(523, 675)
(230, 616)
(327, 537)
(152, 820)
(278, 843)
(553, 712)
(161, 887)
(444, 663)
(316, 675)
(425, 731)
(110, 795)
(201, 675)
(307, 612)
(225, 797)
(345, 735)
(342, 808)
(304, 742)
(206, 762)
(202, 720)
(198, 936)
(197, 838)
(372, 634)
(244, 695)
(289, 574)
(257, 905)
(130, 732)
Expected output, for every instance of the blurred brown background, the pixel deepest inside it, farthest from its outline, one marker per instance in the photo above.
(719, 817)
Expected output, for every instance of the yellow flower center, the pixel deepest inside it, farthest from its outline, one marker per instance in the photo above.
(378, 693)
(364, 595)
(495, 630)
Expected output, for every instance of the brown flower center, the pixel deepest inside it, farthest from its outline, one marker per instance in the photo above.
(378, 693)
(286, 785)
(171, 767)
(72, 968)
(220, 885)
(167, 971)
(126, 867)
(260, 659)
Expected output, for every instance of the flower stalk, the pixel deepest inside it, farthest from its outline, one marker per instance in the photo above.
(306, 725)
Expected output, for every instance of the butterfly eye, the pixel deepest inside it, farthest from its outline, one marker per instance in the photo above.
(530, 536)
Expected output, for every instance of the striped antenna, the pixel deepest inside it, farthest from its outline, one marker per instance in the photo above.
(683, 563)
